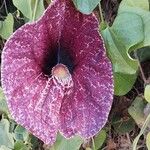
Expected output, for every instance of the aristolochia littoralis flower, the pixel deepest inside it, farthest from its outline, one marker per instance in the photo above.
(56, 75)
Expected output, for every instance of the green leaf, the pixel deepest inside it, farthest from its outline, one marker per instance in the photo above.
(3, 147)
(6, 138)
(143, 12)
(129, 28)
(1, 24)
(122, 125)
(32, 9)
(21, 133)
(142, 4)
(3, 104)
(147, 93)
(124, 67)
(37, 7)
(148, 141)
(6, 27)
(100, 139)
(70, 144)
(123, 83)
(145, 125)
(103, 26)
(121, 60)
(86, 6)
(34, 141)
(24, 6)
(136, 110)
(19, 145)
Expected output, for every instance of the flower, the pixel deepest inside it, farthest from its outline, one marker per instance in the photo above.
(56, 75)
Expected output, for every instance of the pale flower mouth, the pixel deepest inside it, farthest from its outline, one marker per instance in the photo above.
(63, 76)
(56, 75)
(60, 71)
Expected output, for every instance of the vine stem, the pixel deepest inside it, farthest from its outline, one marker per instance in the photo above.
(100, 12)
(141, 70)
(142, 73)
(35, 10)
(145, 125)
(5, 7)
(93, 143)
(47, 1)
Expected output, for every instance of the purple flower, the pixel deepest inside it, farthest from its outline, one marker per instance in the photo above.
(56, 75)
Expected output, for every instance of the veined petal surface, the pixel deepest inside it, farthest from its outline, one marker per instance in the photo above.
(40, 103)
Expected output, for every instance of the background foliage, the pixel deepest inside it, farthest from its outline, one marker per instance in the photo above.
(125, 27)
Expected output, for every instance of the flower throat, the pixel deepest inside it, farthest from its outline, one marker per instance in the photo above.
(57, 55)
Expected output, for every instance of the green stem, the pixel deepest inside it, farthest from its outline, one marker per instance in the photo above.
(140, 67)
(35, 10)
(100, 12)
(93, 143)
(48, 1)
(5, 7)
(145, 125)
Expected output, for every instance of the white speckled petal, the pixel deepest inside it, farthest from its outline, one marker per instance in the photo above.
(42, 104)
(23, 81)
(85, 111)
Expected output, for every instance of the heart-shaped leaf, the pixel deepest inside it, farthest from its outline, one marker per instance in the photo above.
(21, 133)
(6, 138)
(6, 26)
(86, 6)
(32, 9)
(124, 82)
(3, 147)
(141, 8)
(144, 4)
(136, 110)
(19, 145)
(121, 60)
(147, 93)
(129, 28)
(148, 141)
(122, 125)
(99, 139)
(3, 104)
(70, 144)
(124, 67)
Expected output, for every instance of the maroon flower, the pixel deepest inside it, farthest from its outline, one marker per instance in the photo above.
(56, 75)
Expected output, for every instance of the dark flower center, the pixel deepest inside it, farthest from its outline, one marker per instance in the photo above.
(57, 56)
